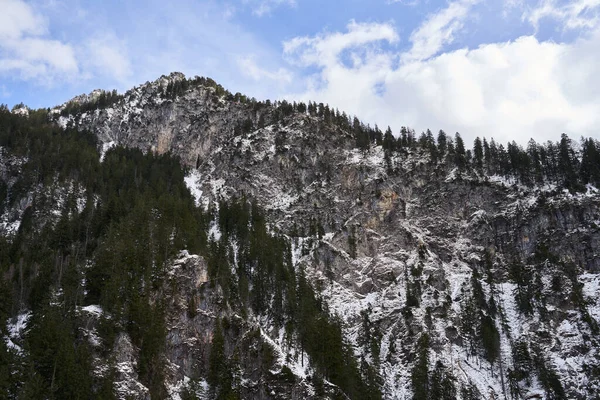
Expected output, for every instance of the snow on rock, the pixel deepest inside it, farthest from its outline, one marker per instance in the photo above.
(106, 147)
(193, 181)
(93, 310)
(16, 329)
(214, 231)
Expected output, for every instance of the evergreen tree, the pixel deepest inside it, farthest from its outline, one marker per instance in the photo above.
(442, 143)
(590, 162)
(478, 154)
(487, 155)
(442, 384)
(567, 163)
(420, 370)
(460, 158)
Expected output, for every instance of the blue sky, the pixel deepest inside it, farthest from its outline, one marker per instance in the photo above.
(511, 69)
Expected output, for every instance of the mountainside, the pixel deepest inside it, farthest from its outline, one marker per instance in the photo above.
(297, 254)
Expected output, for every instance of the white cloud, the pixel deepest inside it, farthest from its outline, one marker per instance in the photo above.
(250, 68)
(18, 18)
(25, 48)
(108, 56)
(438, 30)
(265, 7)
(573, 14)
(510, 91)
(324, 50)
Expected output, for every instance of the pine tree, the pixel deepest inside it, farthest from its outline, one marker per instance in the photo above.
(590, 162)
(442, 384)
(567, 163)
(478, 154)
(459, 152)
(442, 144)
(420, 370)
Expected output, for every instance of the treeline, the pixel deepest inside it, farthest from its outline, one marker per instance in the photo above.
(560, 163)
(563, 163)
(104, 100)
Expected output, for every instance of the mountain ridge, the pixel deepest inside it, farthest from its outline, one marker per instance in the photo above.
(446, 267)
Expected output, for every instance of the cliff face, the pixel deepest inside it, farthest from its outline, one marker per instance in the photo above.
(502, 279)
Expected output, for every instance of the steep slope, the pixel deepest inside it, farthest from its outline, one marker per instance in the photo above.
(112, 287)
(449, 281)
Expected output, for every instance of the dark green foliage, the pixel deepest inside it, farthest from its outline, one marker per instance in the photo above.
(220, 377)
(549, 380)
(522, 361)
(590, 162)
(521, 275)
(460, 157)
(287, 374)
(478, 154)
(420, 370)
(470, 392)
(361, 135)
(61, 362)
(490, 338)
(322, 339)
(371, 337)
(442, 384)
(103, 100)
(478, 324)
(138, 214)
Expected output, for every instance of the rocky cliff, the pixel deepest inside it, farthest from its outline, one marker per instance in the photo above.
(448, 281)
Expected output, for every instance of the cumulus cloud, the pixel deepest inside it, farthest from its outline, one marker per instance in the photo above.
(18, 18)
(26, 49)
(514, 90)
(438, 30)
(324, 50)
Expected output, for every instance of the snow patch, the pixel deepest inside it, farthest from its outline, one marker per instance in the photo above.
(93, 309)
(105, 147)
(193, 181)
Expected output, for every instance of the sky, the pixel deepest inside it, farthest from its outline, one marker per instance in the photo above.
(508, 69)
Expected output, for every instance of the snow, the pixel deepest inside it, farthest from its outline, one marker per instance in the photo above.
(295, 364)
(372, 159)
(93, 309)
(193, 181)
(214, 232)
(176, 388)
(129, 386)
(281, 201)
(591, 290)
(105, 147)
(217, 186)
(16, 329)
(10, 227)
(23, 111)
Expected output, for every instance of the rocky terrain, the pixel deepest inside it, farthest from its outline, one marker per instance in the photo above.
(487, 285)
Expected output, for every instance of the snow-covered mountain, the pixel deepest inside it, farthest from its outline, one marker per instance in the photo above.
(449, 281)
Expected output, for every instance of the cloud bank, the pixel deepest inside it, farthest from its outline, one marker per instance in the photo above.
(510, 91)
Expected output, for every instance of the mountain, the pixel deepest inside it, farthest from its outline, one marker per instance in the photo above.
(180, 241)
